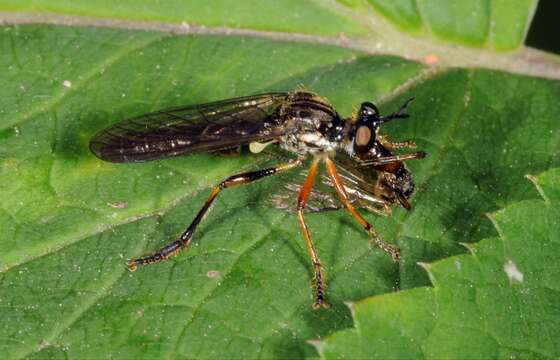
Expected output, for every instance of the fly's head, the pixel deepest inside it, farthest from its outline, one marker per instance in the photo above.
(395, 181)
(365, 129)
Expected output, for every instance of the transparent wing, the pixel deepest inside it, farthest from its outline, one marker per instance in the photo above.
(359, 183)
(322, 197)
(205, 127)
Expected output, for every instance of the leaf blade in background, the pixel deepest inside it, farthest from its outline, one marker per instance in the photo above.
(498, 24)
(287, 16)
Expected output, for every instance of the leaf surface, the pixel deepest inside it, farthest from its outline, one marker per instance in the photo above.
(495, 24)
(69, 221)
(499, 301)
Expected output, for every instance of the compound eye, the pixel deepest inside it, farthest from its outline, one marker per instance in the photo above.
(363, 136)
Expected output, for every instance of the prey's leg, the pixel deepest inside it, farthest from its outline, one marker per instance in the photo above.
(302, 200)
(381, 210)
(394, 158)
(390, 144)
(339, 186)
(185, 239)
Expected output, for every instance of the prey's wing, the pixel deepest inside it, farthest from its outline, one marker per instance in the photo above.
(205, 127)
(322, 196)
(359, 183)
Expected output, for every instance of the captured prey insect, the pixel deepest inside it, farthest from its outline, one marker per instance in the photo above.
(361, 169)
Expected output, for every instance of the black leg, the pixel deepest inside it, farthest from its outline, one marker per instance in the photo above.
(185, 239)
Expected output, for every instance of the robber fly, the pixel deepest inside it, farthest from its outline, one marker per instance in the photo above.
(361, 169)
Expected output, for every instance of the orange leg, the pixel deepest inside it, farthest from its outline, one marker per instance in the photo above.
(302, 200)
(339, 186)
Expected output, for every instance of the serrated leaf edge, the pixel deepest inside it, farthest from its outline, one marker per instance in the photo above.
(321, 344)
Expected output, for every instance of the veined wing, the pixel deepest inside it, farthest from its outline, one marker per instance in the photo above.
(177, 131)
(321, 198)
(359, 183)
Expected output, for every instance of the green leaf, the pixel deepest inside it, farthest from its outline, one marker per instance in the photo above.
(69, 221)
(499, 301)
(308, 17)
(496, 24)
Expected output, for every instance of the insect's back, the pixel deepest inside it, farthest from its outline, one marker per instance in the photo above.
(311, 122)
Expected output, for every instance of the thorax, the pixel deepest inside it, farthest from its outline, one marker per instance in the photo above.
(313, 125)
